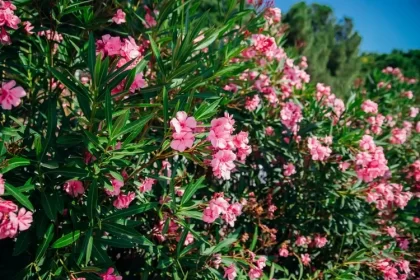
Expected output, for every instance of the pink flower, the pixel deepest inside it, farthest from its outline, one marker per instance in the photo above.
(418, 127)
(28, 27)
(181, 141)
(222, 163)
(149, 20)
(7, 206)
(409, 94)
(123, 201)
(272, 15)
(241, 143)
(10, 95)
(322, 91)
(367, 143)
(74, 188)
(318, 152)
(7, 15)
(8, 229)
(251, 104)
(1, 184)
(183, 123)
(283, 252)
(22, 220)
(231, 87)
(371, 165)
(119, 17)
(255, 273)
(210, 214)
(147, 185)
(301, 241)
(269, 131)
(320, 241)
(344, 165)
(399, 136)
(261, 262)
(5, 37)
(370, 107)
(138, 83)
(220, 204)
(403, 244)
(117, 185)
(230, 272)
(305, 259)
(289, 169)
(220, 134)
(216, 261)
(291, 115)
(109, 46)
(188, 240)
(391, 231)
(413, 112)
(109, 275)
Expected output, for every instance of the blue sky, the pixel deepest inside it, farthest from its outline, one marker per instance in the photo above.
(383, 24)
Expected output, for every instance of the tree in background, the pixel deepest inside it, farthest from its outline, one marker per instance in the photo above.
(331, 46)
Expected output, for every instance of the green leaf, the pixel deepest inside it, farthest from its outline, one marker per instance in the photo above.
(51, 125)
(66, 239)
(14, 163)
(91, 55)
(117, 242)
(120, 123)
(254, 239)
(49, 205)
(19, 197)
(70, 172)
(92, 201)
(108, 110)
(48, 236)
(134, 126)
(165, 108)
(156, 52)
(206, 110)
(126, 232)
(132, 210)
(191, 190)
(22, 243)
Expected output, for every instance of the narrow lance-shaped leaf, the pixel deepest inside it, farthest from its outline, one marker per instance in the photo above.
(66, 239)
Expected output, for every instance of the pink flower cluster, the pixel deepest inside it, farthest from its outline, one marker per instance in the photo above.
(74, 188)
(10, 95)
(251, 104)
(293, 77)
(393, 270)
(398, 136)
(396, 72)
(13, 219)
(319, 241)
(414, 173)
(119, 17)
(126, 50)
(219, 206)
(272, 15)
(322, 91)
(230, 272)
(257, 267)
(109, 275)
(150, 21)
(291, 115)
(319, 151)
(183, 127)
(370, 107)
(385, 195)
(376, 123)
(224, 143)
(371, 162)
(9, 19)
(146, 185)
(122, 200)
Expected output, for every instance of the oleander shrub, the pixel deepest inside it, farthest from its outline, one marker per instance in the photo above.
(141, 141)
